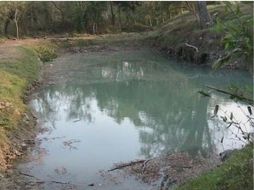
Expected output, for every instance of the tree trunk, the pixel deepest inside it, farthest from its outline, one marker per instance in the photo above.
(150, 21)
(60, 10)
(204, 17)
(112, 13)
(94, 28)
(120, 20)
(16, 23)
(6, 24)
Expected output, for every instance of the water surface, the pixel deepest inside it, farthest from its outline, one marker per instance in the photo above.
(118, 106)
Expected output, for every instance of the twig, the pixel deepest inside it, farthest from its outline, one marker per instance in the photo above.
(25, 174)
(126, 165)
(41, 181)
(59, 182)
(194, 47)
(144, 165)
(231, 94)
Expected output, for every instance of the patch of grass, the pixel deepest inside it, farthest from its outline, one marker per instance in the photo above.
(25, 66)
(236, 173)
(2, 39)
(46, 52)
(16, 75)
(17, 72)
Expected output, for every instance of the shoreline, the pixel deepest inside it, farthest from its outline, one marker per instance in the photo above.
(29, 131)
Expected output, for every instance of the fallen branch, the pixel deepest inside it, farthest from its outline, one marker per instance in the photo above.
(120, 166)
(28, 175)
(126, 165)
(41, 181)
(59, 182)
(144, 165)
(231, 94)
(194, 47)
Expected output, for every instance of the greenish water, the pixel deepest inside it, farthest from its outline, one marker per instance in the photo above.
(118, 106)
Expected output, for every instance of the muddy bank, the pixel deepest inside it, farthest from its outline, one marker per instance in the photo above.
(19, 69)
(183, 38)
(170, 170)
(201, 48)
(20, 142)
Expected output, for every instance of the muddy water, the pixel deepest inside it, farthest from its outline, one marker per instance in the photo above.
(107, 107)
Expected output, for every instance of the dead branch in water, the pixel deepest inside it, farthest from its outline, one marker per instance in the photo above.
(28, 175)
(41, 181)
(232, 95)
(144, 165)
(126, 165)
(121, 166)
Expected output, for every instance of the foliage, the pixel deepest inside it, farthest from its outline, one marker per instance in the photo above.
(39, 18)
(236, 173)
(238, 35)
(46, 53)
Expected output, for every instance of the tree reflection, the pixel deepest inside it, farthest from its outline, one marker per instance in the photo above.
(162, 103)
(169, 118)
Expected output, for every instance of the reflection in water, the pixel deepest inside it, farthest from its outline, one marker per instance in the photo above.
(131, 105)
(160, 101)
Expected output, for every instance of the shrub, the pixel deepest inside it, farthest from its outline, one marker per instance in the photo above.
(46, 53)
(238, 36)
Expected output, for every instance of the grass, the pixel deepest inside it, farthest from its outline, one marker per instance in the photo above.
(19, 68)
(2, 39)
(16, 75)
(236, 173)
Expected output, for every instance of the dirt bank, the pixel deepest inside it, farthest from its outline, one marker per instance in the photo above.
(184, 39)
(169, 170)
(19, 70)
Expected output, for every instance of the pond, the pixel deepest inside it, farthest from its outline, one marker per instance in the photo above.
(125, 104)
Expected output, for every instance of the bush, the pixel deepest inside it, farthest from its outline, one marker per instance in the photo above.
(46, 53)
(238, 36)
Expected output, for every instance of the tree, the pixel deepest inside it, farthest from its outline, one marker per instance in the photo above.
(94, 15)
(112, 13)
(127, 7)
(16, 22)
(204, 17)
